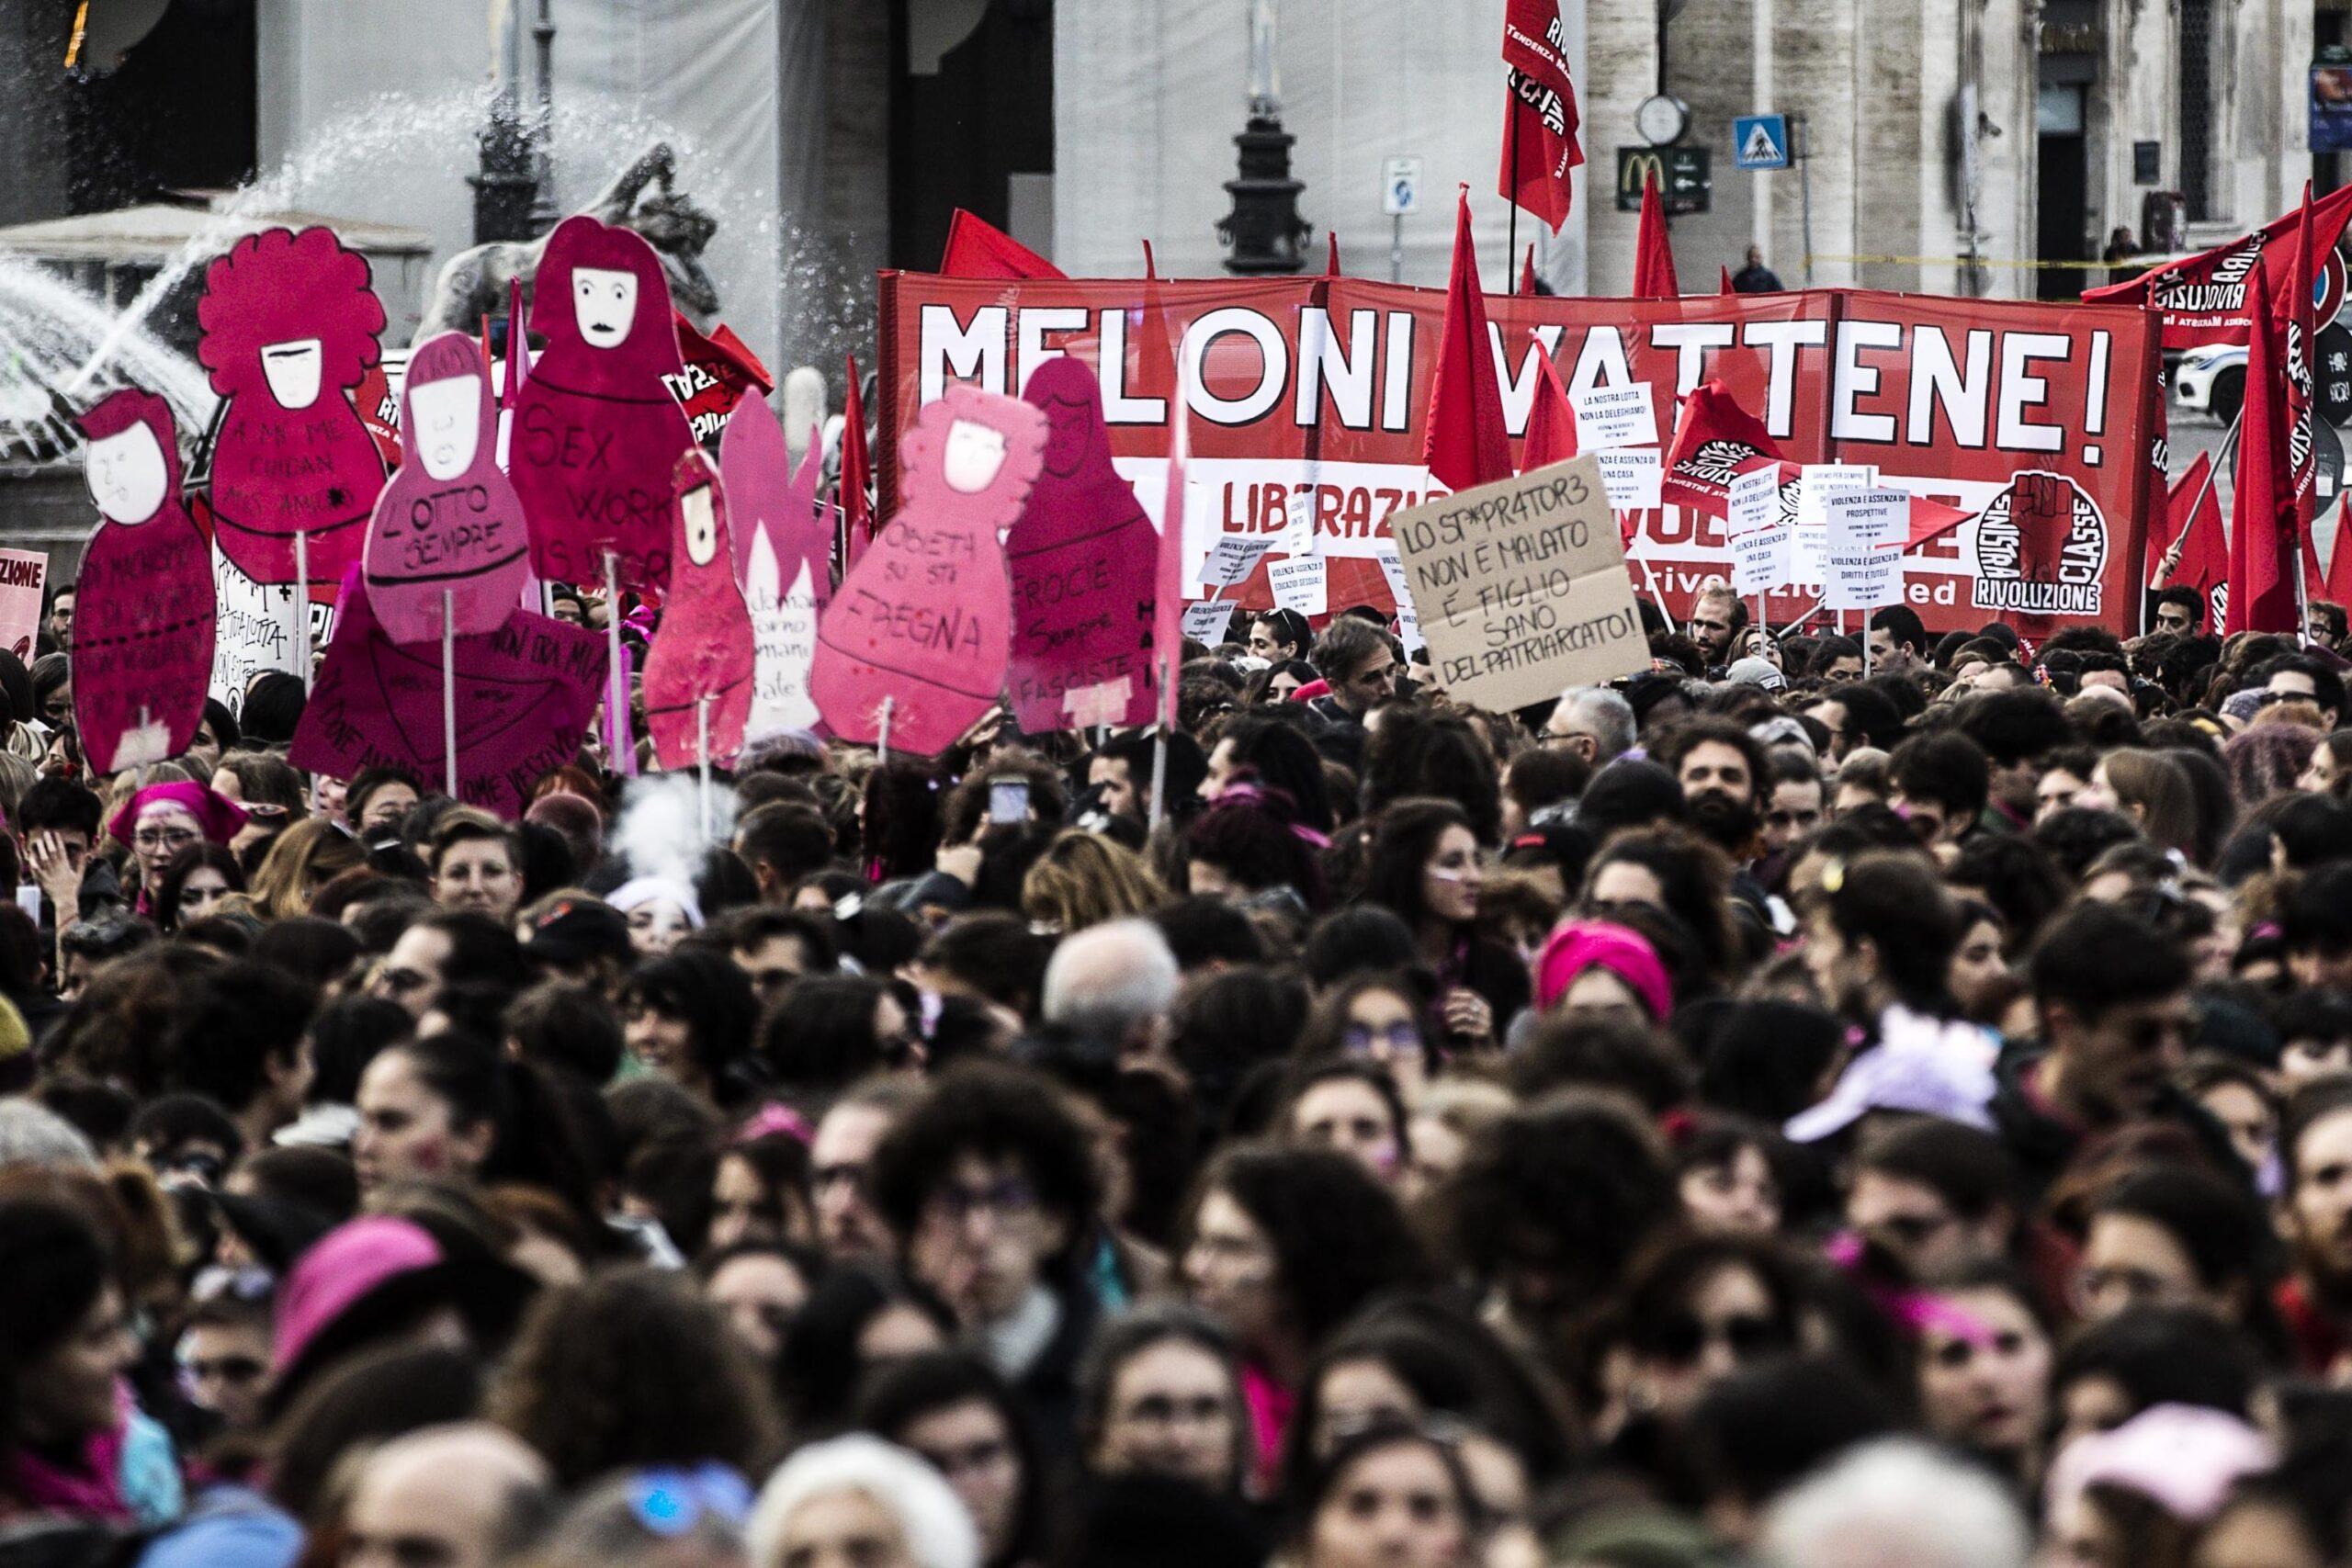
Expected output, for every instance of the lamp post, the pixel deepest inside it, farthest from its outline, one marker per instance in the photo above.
(1264, 232)
(506, 186)
(543, 213)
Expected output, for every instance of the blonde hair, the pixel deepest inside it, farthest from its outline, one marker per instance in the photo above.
(1084, 879)
(298, 860)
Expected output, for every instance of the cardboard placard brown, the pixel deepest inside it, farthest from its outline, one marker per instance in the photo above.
(1520, 587)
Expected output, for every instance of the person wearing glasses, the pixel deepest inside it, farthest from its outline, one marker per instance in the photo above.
(165, 818)
(2300, 677)
(989, 1186)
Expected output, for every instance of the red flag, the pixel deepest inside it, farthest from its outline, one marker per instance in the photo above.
(1551, 420)
(518, 345)
(2262, 588)
(1715, 441)
(1653, 254)
(1723, 282)
(1931, 520)
(857, 469)
(1151, 271)
(2300, 502)
(2180, 495)
(1527, 273)
(721, 370)
(2195, 518)
(978, 249)
(1467, 444)
(1331, 266)
(2203, 297)
(1540, 121)
(2336, 586)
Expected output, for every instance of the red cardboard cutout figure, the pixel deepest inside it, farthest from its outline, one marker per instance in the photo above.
(448, 522)
(1081, 558)
(597, 434)
(144, 619)
(923, 619)
(289, 330)
(782, 555)
(704, 648)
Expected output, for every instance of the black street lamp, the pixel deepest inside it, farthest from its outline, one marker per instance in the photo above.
(514, 191)
(1264, 232)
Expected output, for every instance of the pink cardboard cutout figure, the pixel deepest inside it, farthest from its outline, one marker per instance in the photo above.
(526, 695)
(289, 330)
(782, 552)
(448, 522)
(144, 615)
(924, 618)
(1082, 558)
(704, 648)
(597, 434)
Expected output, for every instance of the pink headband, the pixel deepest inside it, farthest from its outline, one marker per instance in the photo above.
(216, 815)
(1575, 946)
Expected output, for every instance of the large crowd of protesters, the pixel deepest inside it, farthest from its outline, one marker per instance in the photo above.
(1823, 1102)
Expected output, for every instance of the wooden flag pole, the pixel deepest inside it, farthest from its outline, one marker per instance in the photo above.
(449, 693)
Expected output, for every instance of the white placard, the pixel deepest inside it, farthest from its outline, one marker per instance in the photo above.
(1809, 551)
(1609, 418)
(1859, 527)
(1299, 584)
(1758, 534)
(1235, 557)
(1633, 477)
(1297, 537)
(1409, 626)
(1205, 622)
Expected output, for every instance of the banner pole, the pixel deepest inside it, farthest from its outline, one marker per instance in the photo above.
(702, 759)
(2170, 561)
(449, 692)
(1510, 246)
(1160, 740)
(615, 683)
(882, 741)
(302, 606)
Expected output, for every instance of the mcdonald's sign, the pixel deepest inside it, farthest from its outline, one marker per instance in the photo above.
(1685, 183)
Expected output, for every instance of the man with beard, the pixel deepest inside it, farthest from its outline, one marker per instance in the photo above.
(1721, 769)
(1941, 781)
(1717, 617)
(2315, 1215)
(2111, 1001)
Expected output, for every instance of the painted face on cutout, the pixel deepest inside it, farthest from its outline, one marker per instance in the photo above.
(293, 369)
(445, 423)
(972, 458)
(127, 475)
(603, 301)
(701, 524)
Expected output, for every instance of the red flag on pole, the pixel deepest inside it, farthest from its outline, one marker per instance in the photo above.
(1551, 420)
(857, 472)
(1723, 281)
(2300, 504)
(1715, 441)
(1653, 254)
(2336, 586)
(978, 249)
(2262, 588)
(1527, 273)
(2202, 299)
(1467, 443)
(1540, 121)
(1331, 266)
(2179, 496)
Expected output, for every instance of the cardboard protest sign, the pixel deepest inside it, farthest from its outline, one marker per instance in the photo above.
(142, 611)
(1864, 531)
(448, 522)
(1081, 558)
(24, 576)
(597, 434)
(526, 696)
(290, 326)
(782, 549)
(923, 619)
(1319, 388)
(1520, 587)
(703, 653)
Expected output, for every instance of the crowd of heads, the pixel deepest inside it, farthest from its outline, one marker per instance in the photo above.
(1833, 1097)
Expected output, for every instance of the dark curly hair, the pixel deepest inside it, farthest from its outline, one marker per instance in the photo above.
(1418, 752)
(1248, 833)
(629, 1370)
(997, 1111)
(1338, 1238)
(1578, 1176)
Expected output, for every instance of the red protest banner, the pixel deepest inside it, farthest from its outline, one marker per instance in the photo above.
(1322, 384)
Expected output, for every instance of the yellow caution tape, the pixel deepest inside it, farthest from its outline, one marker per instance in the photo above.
(2133, 270)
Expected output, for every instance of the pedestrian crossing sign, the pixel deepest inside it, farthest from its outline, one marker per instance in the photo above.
(1760, 142)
